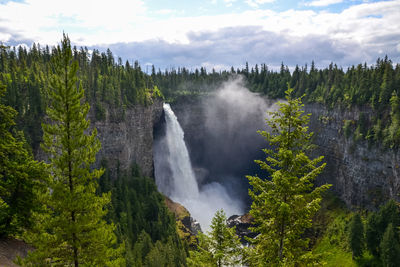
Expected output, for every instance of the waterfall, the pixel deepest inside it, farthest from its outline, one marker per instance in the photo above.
(175, 177)
(181, 185)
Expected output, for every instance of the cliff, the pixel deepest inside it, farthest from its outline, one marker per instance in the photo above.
(126, 136)
(362, 175)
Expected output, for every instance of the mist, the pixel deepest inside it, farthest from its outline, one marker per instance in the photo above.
(221, 140)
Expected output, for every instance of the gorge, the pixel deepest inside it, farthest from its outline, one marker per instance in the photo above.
(222, 143)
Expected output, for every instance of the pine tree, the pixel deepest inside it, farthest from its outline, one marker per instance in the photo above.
(73, 232)
(283, 206)
(390, 248)
(220, 247)
(378, 222)
(356, 236)
(22, 179)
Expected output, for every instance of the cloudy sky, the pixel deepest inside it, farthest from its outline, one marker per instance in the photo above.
(213, 33)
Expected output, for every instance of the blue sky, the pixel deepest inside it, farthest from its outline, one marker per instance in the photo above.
(213, 33)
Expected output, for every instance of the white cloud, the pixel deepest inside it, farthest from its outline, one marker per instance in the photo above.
(323, 2)
(371, 26)
(229, 2)
(264, 1)
(165, 11)
(44, 20)
(256, 3)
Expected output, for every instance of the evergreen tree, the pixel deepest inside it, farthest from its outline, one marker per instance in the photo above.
(390, 248)
(283, 206)
(73, 232)
(220, 247)
(372, 234)
(356, 236)
(378, 222)
(21, 178)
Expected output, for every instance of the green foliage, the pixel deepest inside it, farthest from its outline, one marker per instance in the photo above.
(100, 112)
(372, 234)
(108, 84)
(284, 205)
(220, 247)
(73, 231)
(143, 221)
(333, 244)
(377, 224)
(392, 132)
(157, 93)
(347, 128)
(390, 247)
(22, 179)
(356, 236)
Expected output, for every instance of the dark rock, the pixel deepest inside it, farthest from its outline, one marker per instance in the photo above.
(242, 224)
(191, 224)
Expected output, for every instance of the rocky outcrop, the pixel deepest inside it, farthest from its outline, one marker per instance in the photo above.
(242, 224)
(126, 136)
(188, 228)
(362, 175)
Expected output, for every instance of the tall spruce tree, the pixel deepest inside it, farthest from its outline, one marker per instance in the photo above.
(73, 232)
(284, 204)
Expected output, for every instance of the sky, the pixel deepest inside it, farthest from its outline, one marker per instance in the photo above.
(213, 33)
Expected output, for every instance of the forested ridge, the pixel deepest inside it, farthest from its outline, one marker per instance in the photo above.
(110, 82)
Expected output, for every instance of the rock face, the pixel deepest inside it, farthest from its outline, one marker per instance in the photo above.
(362, 176)
(127, 136)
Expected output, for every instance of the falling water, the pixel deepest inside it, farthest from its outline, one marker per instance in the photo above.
(182, 184)
(175, 177)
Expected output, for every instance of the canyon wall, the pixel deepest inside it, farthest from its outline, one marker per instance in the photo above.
(363, 175)
(126, 136)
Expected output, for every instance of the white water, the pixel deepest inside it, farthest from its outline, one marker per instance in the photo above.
(176, 179)
(184, 184)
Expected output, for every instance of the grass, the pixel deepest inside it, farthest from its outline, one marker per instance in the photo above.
(331, 228)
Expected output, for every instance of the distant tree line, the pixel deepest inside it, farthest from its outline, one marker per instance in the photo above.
(376, 87)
